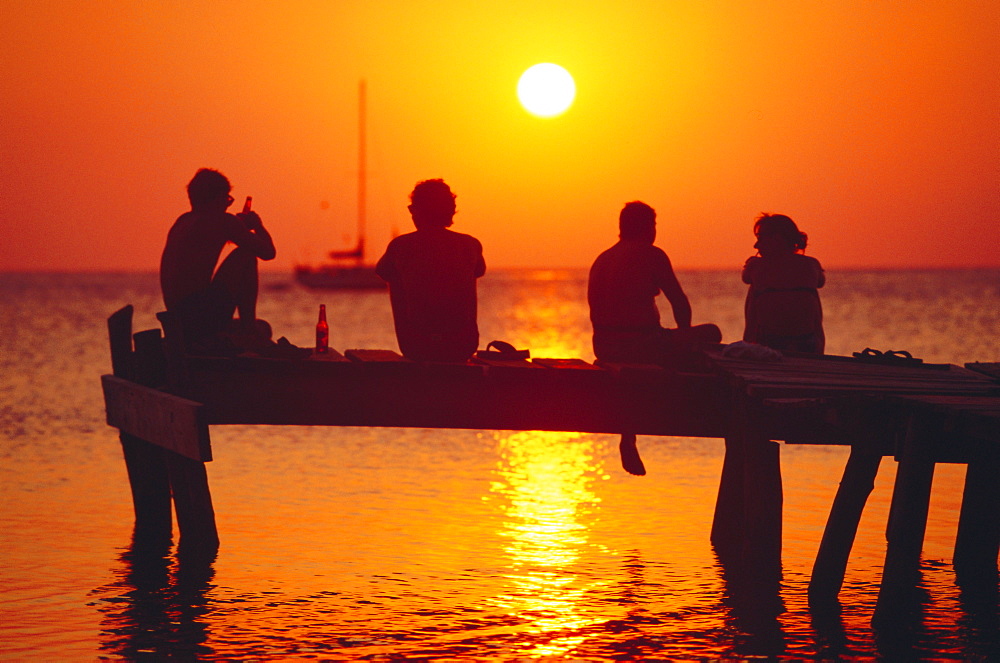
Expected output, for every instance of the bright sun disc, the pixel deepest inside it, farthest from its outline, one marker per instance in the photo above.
(546, 89)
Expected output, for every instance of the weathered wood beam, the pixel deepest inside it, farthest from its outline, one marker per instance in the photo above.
(160, 418)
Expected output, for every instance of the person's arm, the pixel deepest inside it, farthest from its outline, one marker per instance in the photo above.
(748, 269)
(247, 231)
(384, 267)
(820, 274)
(480, 261)
(667, 282)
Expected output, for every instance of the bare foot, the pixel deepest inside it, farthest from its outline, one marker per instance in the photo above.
(630, 455)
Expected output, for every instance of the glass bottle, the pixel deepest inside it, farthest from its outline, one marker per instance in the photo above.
(322, 331)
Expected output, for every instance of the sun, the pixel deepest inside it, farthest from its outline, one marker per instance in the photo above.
(546, 90)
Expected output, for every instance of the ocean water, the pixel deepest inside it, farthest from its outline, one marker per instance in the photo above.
(391, 544)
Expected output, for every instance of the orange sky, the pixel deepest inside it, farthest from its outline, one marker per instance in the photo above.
(875, 125)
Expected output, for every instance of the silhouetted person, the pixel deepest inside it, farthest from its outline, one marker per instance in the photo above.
(432, 276)
(783, 309)
(624, 283)
(204, 298)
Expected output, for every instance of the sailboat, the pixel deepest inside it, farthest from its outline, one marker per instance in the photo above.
(347, 270)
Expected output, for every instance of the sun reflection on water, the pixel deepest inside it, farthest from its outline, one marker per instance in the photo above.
(537, 315)
(545, 480)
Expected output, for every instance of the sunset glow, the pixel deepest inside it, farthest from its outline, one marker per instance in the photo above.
(868, 123)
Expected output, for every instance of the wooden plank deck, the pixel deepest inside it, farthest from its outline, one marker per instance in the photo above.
(830, 400)
(805, 377)
(380, 388)
(919, 414)
(839, 400)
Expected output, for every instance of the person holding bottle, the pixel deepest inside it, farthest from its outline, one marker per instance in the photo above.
(205, 297)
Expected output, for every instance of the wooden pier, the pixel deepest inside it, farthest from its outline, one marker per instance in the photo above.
(164, 402)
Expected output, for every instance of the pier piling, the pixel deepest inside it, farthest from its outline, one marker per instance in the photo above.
(977, 545)
(842, 526)
(728, 523)
(144, 462)
(159, 475)
(907, 524)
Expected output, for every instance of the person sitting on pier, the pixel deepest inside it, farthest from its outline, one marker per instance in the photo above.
(623, 285)
(202, 297)
(783, 309)
(432, 276)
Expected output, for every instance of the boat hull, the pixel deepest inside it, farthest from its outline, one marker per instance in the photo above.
(339, 277)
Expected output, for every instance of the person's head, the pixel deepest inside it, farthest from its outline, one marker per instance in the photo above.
(777, 232)
(209, 188)
(432, 204)
(637, 221)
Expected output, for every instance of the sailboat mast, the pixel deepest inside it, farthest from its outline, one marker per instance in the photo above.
(362, 174)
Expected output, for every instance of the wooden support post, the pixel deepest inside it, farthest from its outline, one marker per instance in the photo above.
(199, 537)
(763, 499)
(120, 337)
(147, 477)
(157, 473)
(149, 368)
(175, 362)
(908, 523)
(727, 524)
(747, 526)
(842, 526)
(147, 471)
(978, 542)
(188, 478)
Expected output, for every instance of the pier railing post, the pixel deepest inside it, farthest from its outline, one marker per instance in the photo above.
(144, 462)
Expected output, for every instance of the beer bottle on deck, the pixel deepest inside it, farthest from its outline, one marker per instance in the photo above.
(322, 331)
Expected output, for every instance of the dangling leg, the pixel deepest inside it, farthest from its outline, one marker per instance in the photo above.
(630, 455)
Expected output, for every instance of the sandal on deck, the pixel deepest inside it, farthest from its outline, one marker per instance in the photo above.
(284, 349)
(889, 357)
(502, 350)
